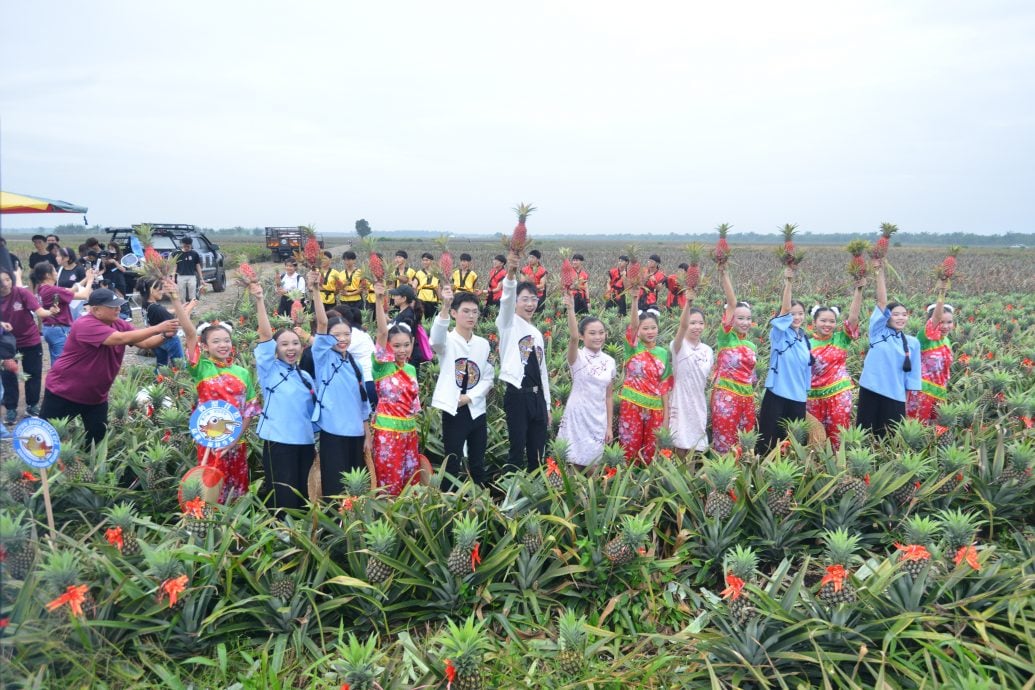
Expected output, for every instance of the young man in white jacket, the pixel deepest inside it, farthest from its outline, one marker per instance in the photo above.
(464, 381)
(523, 367)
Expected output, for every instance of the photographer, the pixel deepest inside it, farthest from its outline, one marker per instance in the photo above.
(113, 277)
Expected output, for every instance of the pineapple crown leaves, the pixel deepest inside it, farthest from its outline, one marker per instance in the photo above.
(840, 546)
(381, 537)
(788, 231)
(694, 251)
(723, 229)
(564, 252)
(465, 644)
(13, 528)
(913, 464)
(721, 472)
(858, 247)
(741, 561)
(888, 229)
(958, 525)
(162, 563)
(356, 481)
(122, 515)
(144, 233)
(571, 630)
(466, 530)
(360, 663)
(781, 473)
(523, 210)
(559, 450)
(61, 569)
(635, 529)
(920, 529)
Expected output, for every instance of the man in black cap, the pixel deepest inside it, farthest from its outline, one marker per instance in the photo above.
(79, 381)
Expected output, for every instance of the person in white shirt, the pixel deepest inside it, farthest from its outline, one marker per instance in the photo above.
(464, 381)
(290, 281)
(523, 367)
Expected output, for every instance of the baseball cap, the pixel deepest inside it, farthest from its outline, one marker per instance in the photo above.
(104, 298)
(404, 291)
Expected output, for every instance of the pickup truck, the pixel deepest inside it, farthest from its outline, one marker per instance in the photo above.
(165, 238)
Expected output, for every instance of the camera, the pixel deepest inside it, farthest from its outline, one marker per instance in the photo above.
(103, 255)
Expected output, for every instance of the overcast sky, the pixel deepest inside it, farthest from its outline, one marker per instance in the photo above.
(657, 116)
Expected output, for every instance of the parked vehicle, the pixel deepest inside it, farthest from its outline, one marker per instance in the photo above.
(284, 242)
(166, 238)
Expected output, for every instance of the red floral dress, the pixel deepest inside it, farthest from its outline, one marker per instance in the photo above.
(234, 384)
(935, 364)
(733, 396)
(648, 377)
(396, 456)
(830, 397)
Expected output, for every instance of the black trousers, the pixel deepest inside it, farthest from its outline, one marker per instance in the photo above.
(877, 413)
(581, 303)
(286, 466)
(774, 412)
(32, 365)
(95, 417)
(526, 427)
(338, 454)
(459, 429)
(617, 303)
(430, 309)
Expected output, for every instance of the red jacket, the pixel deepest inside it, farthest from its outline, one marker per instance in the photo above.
(651, 285)
(615, 283)
(496, 282)
(535, 277)
(675, 292)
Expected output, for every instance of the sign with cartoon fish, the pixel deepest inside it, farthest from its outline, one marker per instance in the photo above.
(37, 442)
(216, 424)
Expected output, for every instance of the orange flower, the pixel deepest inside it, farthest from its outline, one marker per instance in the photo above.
(29, 477)
(476, 557)
(866, 479)
(785, 446)
(734, 587)
(964, 358)
(114, 537)
(990, 355)
(551, 467)
(166, 436)
(195, 507)
(968, 554)
(345, 686)
(666, 453)
(159, 378)
(610, 472)
(914, 552)
(733, 495)
(346, 504)
(450, 673)
(835, 574)
(74, 596)
(172, 588)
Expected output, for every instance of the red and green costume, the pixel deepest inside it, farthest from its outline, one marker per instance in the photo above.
(648, 377)
(396, 456)
(234, 384)
(935, 365)
(830, 397)
(733, 395)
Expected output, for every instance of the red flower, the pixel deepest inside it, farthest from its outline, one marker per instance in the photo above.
(733, 495)
(345, 686)
(114, 537)
(914, 552)
(990, 355)
(346, 504)
(74, 597)
(166, 436)
(547, 335)
(610, 472)
(450, 673)
(29, 477)
(159, 378)
(968, 554)
(734, 587)
(964, 358)
(551, 467)
(4, 621)
(476, 557)
(1027, 362)
(835, 574)
(666, 453)
(195, 507)
(172, 588)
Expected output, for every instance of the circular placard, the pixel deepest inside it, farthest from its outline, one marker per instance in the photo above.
(216, 424)
(37, 442)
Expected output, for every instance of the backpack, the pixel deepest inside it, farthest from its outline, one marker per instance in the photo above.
(421, 346)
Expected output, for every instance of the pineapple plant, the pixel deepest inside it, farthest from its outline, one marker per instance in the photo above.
(781, 475)
(912, 434)
(880, 249)
(741, 565)
(571, 642)
(464, 649)
(121, 517)
(360, 663)
(156, 465)
(552, 468)
(519, 238)
(996, 385)
(919, 534)
(953, 462)
(836, 587)
(532, 533)
(947, 269)
(960, 530)
(857, 267)
(856, 480)
(720, 473)
(721, 252)
(747, 441)
(73, 464)
(788, 255)
(17, 548)
(664, 442)
(797, 430)
(1020, 457)
(630, 541)
(694, 250)
(945, 421)
(914, 466)
(20, 483)
(853, 437)
(381, 539)
(356, 482)
(283, 587)
(613, 458)
(164, 566)
(464, 556)
(63, 579)
(196, 513)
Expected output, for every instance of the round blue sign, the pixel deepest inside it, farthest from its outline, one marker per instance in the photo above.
(216, 424)
(37, 442)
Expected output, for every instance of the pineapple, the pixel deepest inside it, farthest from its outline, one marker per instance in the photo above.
(558, 457)
(781, 476)
(60, 572)
(721, 252)
(1019, 459)
(880, 249)
(613, 458)
(740, 568)
(568, 274)
(630, 541)
(532, 533)
(836, 587)
(953, 461)
(634, 270)
(73, 464)
(19, 481)
(122, 517)
(694, 251)
(519, 238)
(919, 533)
(912, 434)
(381, 540)
(360, 663)
(17, 548)
(664, 442)
(464, 648)
(283, 587)
(797, 430)
(914, 466)
(196, 513)
(156, 465)
(857, 480)
(163, 565)
(960, 530)
(948, 267)
(462, 559)
(721, 473)
(788, 255)
(996, 384)
(966, 414)
(857, 266)
(571, 642)
(747, 441)
(945, 421)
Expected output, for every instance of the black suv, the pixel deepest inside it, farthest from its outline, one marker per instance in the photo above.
(166, 237)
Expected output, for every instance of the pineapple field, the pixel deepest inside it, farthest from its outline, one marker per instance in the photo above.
(905, 563)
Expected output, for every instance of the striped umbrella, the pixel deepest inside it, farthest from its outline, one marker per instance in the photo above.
(20, 203)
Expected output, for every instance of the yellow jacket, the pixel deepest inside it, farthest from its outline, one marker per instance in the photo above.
(427, 286)
(465, 284)
(352, 283)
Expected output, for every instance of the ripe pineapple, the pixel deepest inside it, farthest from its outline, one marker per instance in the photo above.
(919, 532)
(17, 549)
(464, 650)
(960, 530)
(630, 541)
(1019, 459)
(912, 434)
(721, 473)
(740, 567)
(122, 517)
(836, 587)
(915, 467)
(466, 531)
(633, 272)
(20, 483)
(788, 254)
(857, 481)
(781, 476)
(857, 266)
(948, 266)
(953, 461)
(721, 252)
(880, 249)
(360, 663)
(519, 238)
(381, 540)
(558, 459)
(532, 533)
(283, 587)
(693, 272)
(59, 572)
(568, 275)
(571, 642)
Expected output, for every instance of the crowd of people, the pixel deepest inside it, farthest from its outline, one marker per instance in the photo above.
(354, 397)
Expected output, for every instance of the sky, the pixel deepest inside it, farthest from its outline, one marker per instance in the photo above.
(609, 116)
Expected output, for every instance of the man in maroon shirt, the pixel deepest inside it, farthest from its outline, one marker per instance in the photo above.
(79, 381)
